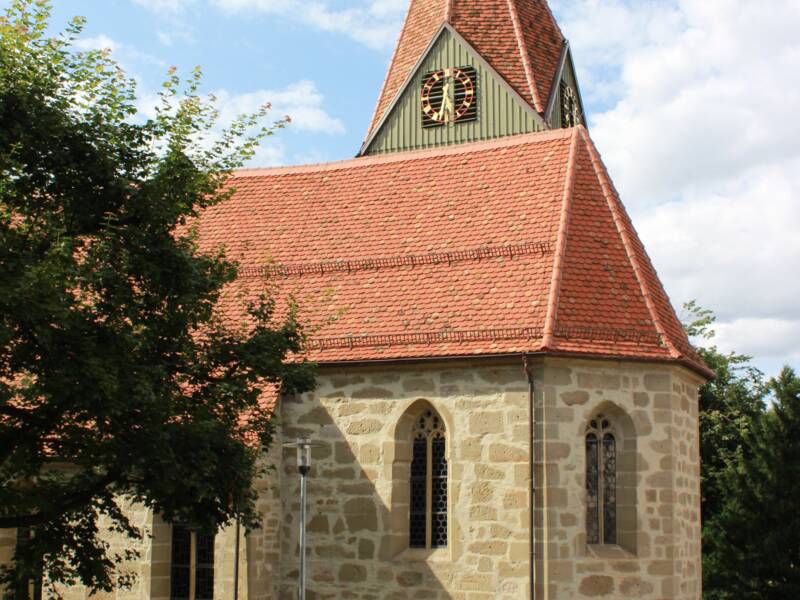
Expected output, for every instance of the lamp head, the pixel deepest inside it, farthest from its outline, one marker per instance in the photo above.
(303, 453)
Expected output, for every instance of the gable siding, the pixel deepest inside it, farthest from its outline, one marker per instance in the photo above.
(499, 112)
(568, 77)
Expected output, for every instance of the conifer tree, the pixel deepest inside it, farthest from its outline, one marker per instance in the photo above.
(752, 544)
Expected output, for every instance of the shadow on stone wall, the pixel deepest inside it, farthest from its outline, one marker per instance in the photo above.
(356, 541)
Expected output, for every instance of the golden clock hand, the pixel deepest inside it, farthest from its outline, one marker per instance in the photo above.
(447, 104)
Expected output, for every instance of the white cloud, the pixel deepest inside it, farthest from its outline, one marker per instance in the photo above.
(373, 23)
(773, 338)
(122, 53)
(178, 33)
(301, 101)
(700, 137)
(165, 6)
(98, 42)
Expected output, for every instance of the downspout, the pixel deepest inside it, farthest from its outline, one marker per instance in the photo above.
(532, 474)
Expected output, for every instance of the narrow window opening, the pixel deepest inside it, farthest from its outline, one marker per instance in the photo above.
(192, 572)
(428, 498)
(27, 588)
(601, 482)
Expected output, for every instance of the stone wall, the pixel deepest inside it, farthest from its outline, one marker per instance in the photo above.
(152, 570)
(143, 519)
(663, 559)
(358, 493)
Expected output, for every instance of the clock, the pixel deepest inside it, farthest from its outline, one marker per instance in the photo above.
(570, 107)
(449, 96)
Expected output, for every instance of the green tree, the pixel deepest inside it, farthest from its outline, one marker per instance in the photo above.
(728, 404)
(119, 380)
(753, 546)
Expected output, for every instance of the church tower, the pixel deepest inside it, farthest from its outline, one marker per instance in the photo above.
(471, 70)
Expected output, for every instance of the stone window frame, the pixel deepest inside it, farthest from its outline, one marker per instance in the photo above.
(399, 471)
(427, 433)
(601, 429)
(626, 438)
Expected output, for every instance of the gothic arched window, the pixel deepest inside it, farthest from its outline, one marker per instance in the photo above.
(428, 506)
(601, 482)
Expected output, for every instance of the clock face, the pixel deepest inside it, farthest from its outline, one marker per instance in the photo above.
(449, 96)
(570, 107)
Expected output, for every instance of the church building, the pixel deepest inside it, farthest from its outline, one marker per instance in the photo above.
(507, 404)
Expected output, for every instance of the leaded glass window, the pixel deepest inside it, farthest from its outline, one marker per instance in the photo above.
(601, 482)
(192, 572)
(428, 506)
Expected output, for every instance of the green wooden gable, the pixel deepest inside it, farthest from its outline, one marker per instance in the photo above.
(568, 80)
(501, 112)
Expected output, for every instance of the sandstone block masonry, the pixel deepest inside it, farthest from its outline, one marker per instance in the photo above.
(654, 411)
(359, 489)
(358, 527)
(359, 492)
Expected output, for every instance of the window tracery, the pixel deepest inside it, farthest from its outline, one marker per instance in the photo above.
(601, 482)
(428, 501)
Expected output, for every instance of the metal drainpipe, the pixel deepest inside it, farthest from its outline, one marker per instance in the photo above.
(236, 564)
(531, 463)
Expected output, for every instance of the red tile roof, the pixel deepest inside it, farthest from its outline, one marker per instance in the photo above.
(518, 38)
(515, 245)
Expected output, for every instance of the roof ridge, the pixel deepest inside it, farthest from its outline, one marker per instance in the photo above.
(448, 10)
(561, 245)
(553, 18)
(466, 148)
(375, 116)
(523, 51)
(613, 205)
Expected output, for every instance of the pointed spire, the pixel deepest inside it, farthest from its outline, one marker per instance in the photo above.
(520, 39)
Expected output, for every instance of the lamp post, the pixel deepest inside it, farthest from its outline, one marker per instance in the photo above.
(303, 446)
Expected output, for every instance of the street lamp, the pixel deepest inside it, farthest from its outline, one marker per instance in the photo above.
(303, 446)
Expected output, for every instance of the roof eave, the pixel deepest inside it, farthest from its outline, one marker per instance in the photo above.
(704, 372)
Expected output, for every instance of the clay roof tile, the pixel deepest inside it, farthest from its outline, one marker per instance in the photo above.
(388, 260)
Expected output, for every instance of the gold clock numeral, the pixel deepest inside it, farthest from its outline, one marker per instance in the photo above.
(448, 95)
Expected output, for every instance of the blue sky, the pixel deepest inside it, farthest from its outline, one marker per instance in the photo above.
(245, 52)
(689, 102)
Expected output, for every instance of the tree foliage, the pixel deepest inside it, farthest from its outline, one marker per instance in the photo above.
(728, 404)
(753, 541)
(119, 381)
(750, 472)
